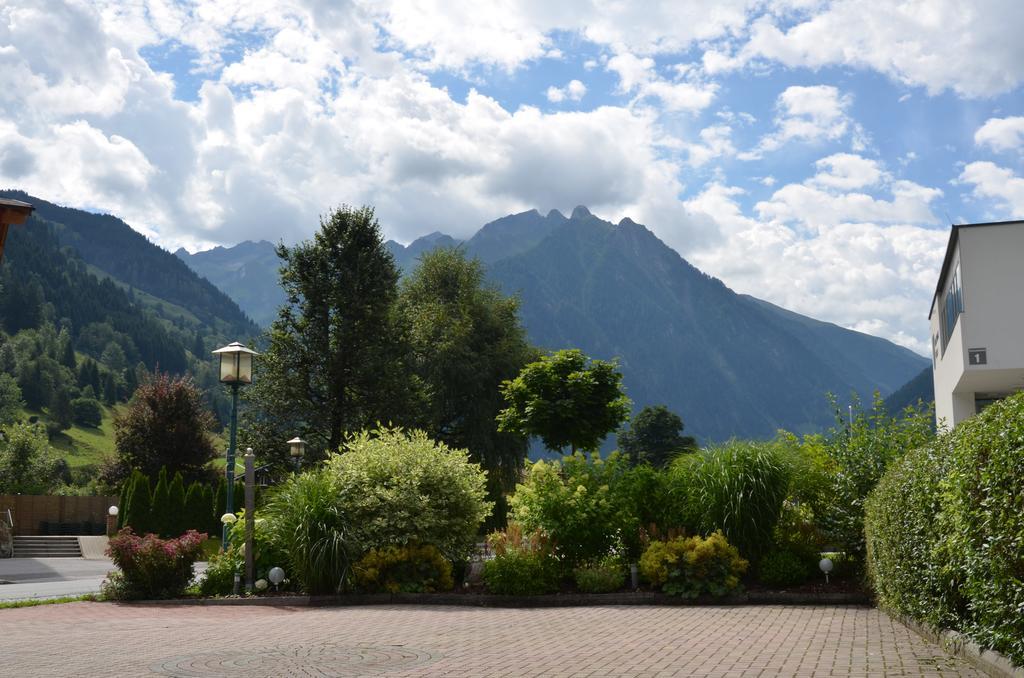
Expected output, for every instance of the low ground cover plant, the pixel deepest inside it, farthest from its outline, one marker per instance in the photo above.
(691, 566)
(945, 530)
(604, 576)
(150, 567)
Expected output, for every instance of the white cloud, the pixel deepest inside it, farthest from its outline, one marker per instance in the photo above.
(715, 142)
(1001, 134)
(843, 257)
(574, 91)
(847, 171)
(808, 115)
(687, 92)
(973, 49)
(997, 183)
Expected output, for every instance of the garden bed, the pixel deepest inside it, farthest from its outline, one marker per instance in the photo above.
(553, 600)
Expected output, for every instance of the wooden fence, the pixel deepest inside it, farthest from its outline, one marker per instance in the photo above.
(43, 515)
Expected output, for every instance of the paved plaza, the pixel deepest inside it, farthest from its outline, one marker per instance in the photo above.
(102, 639)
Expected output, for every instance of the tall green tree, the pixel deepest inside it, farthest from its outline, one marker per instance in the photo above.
(10, 400)
(28, 465)
(138, 508)
(467, 340)
(166, 424)
(567, 399)
(337, 359)
(655, 436)
(61, 410)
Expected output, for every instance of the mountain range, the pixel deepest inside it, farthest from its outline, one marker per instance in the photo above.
(729, 364)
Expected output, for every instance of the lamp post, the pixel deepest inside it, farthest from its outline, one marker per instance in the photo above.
(297, 448)
(112, 521)
(235, 370)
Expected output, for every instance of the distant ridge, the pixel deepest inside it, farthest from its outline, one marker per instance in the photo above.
(729, 364)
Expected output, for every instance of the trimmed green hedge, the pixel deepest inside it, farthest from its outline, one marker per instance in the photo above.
(945, 531)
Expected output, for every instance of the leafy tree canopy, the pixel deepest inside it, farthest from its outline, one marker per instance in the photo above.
(28, 465)
(567, 399)
(166, 424)
(466, 340)
(655, 436)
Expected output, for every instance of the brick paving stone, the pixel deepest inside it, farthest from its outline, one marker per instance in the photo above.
(104, 639)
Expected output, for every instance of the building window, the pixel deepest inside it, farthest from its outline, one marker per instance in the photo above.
(952, 306)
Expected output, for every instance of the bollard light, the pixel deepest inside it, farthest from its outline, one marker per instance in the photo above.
(826, 566)
(112, 511)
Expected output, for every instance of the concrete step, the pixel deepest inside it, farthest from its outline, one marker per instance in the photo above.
(47, 547)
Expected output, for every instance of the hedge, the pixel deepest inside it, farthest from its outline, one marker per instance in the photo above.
(945, 531)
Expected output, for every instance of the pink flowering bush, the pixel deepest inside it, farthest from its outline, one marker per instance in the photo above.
(151, 567)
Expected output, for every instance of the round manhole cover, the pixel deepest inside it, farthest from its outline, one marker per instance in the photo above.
(322, 659)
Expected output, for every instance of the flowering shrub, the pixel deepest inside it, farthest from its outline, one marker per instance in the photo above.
(404, 569)
(151, 567)
(690, 566)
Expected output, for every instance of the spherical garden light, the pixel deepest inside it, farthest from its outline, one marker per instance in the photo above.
(297, 448)
(235, 370)
(112, 511)
(112, 521)
(276, 576)
(826, 566)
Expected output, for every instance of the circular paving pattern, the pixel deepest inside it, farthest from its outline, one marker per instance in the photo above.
(322, 659)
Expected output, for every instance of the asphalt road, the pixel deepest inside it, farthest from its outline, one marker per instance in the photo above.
(38, 578)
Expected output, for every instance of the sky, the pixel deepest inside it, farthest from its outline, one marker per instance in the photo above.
(810, 153)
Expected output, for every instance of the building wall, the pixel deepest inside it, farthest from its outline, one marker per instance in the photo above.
(993, 283)
(992, 280)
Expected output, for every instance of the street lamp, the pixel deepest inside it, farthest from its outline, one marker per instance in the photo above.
(297, 448)
(235, 370)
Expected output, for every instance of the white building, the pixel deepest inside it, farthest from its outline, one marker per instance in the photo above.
(977, 319)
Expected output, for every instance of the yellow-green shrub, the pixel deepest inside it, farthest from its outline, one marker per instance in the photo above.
(404, 569)
(690, 566)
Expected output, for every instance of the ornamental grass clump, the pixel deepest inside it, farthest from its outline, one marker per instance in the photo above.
(737, 488)
(691, 566)
(523, 565)
(151, 567)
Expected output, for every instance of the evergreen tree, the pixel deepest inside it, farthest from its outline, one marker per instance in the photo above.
(10, 400)
(196, 512)
(139, 510)
(123, 499)
(8, 360)
(205, 517)
(176, 516)
(67, 351)
(338, 356)
(161, 504)
(655, 436)
(109, 388)
(61, 409)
